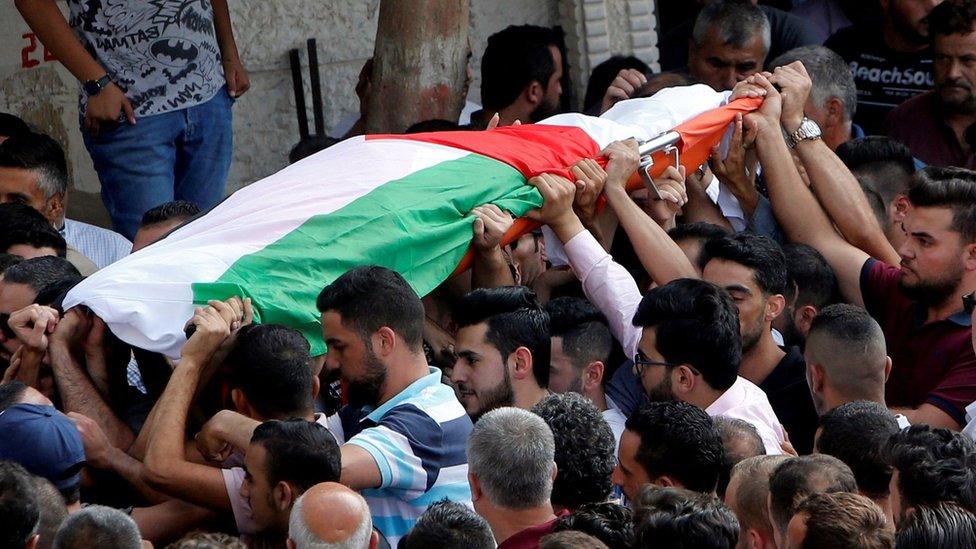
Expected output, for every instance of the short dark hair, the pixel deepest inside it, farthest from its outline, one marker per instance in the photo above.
(12, 125)
(584, 330)
(698, 230)
(272, 366)
(678, 440)
(797, 478)
(941, 524)
(298, 451)
(816, 283)
(40, 272)
(448, 524)
(16, 216)
(514, 58)
(7, 260)
(698, 324)
(736, 22)
(37, 237)
(852, 350)
(952, 17)
(953, 188)
(19, 512)
(933, 465)
(52, 507)
(370, 297)
(10, 393)
(603, 75)
(585, 449)
(609, 522)
(856, 433)
(168, 211)
(845, 520)
(433, 125)
(515, 319)
(754, 251)
(38, 153)
(882, 164)
(697, 521)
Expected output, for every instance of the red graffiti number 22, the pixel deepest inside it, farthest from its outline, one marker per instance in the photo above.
(26, 59)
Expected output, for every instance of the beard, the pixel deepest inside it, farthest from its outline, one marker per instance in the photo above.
(791, 333)
(752, 337)
(365, 390)
(498, 396)
(545, 109)
(963, 106)
(933, 292)
(662, 392)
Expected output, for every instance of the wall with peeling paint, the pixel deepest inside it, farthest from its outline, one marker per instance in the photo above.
(265, 125)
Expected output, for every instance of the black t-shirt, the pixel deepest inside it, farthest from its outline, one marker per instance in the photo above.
(789, 395)
(787, 31)
(884, 78)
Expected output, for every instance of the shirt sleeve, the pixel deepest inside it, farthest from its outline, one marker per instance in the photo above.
(879, 287)
(398, 456)
(233, 480)
(608, 286)
(764, 222)
(957, 390)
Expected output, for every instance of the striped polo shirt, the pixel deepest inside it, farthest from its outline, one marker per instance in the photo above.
(418, 439)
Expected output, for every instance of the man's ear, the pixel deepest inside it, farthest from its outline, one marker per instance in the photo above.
(815, 377)
(969, 257)
(240, 402)
(774, 307)
(55, 208)
(803, 318)
(887, 370)
(284, 496)
(593, 376)
(316, 387)
(291, 544)
(900, 208)
(384, 341)
(666, 482)
(835, 112)
(521, 360)
(374, 540)
(682, 379)
(534, 93)
(475, 487)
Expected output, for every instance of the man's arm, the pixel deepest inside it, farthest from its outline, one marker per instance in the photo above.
(234, 73)
(836, 187)
(46, 20)
(169, 520)
(929, 415)
(77, 391)
(166, 467)
(490, 269)
(359, 469)
(660, 256)
(798, 211)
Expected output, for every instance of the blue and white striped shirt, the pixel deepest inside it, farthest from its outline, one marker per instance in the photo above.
(102, 246)
(418, 440)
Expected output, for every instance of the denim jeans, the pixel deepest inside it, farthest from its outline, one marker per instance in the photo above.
(178, 155)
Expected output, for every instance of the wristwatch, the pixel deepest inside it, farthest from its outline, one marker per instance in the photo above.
(808, 131)
(93, 87)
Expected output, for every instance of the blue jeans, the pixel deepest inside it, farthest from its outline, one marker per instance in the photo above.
(178, 155)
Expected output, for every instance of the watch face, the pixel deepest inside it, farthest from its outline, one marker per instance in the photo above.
(92, 87)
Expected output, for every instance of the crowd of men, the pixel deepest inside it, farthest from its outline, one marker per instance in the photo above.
(773, 351)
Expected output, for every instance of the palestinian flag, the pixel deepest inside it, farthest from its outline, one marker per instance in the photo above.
(401, 201)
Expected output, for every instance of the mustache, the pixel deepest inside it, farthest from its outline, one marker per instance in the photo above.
(956, 83)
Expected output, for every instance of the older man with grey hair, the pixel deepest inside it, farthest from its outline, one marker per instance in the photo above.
(98, 526)
(331, 516)
(511, 467)
(833, 96)
(729, 43)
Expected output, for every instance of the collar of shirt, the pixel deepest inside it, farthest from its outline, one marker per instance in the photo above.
(432, 379)
(959, 318)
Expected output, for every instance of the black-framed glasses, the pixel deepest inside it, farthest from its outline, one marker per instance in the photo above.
(641, 363)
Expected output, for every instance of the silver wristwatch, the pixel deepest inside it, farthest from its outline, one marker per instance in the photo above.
(808, 130)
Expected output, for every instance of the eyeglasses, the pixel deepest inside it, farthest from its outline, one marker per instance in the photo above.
(641, 363)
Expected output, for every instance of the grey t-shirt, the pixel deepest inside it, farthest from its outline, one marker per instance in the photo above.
(162, 53)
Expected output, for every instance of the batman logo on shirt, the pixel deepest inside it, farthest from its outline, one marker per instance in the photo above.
(174, 52)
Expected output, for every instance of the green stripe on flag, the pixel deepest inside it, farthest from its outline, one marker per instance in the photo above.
(416, 226)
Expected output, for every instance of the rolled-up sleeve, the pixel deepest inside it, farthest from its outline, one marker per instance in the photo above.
(608, 286)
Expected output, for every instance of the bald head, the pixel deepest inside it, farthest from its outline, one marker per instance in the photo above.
(748, 490)
(847, 347)
(329, 515)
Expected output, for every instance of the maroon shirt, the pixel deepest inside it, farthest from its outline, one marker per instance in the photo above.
(932, 362)
(920, 124)
(530, 537)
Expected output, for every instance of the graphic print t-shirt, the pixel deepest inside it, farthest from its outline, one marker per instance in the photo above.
(162, 53)
(884, 78)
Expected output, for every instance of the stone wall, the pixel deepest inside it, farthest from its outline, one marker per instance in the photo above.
(265, 124)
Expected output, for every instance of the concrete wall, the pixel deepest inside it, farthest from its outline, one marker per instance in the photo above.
(265, 124)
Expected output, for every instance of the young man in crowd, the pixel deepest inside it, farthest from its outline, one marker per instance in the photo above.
(797, 478)
(449, 525)
(159, 221)
(503, 350)
(812, 286)
(747, 494)
(839, 520)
